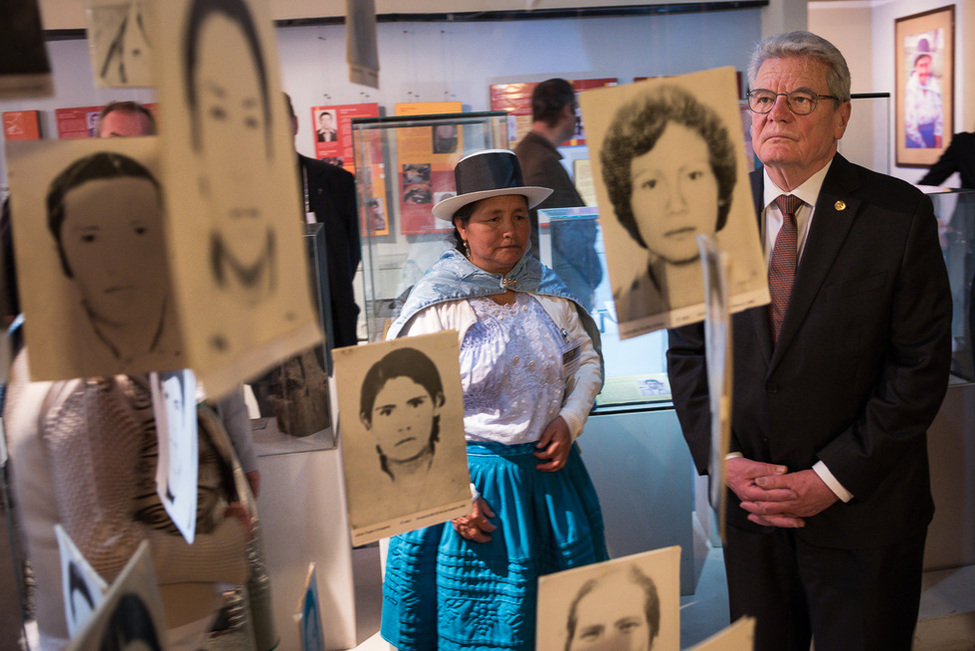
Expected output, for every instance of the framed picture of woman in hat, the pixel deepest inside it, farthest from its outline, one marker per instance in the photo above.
(924, 45)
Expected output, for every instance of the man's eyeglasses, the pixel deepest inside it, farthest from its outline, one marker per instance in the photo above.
(801, 102)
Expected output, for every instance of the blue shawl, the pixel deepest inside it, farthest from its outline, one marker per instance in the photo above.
(454, 277)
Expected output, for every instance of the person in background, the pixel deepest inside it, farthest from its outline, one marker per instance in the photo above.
(530, 370)
(329, 195)
(574, 257)
(958, 157)
(835, 383)
(125, 119)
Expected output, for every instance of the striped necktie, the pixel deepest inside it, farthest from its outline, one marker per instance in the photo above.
(782, 268)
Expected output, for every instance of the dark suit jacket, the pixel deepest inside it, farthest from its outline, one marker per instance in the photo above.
(958, 157)
(540, 166)
(331, 196)
(860, 368)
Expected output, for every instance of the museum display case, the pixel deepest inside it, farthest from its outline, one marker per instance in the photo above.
(405, 165)
(293, 396)
(636, 368)
(955, 210)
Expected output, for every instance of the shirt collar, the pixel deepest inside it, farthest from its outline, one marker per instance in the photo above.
(808, 190)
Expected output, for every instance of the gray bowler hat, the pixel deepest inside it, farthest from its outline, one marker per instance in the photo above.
(486, 174)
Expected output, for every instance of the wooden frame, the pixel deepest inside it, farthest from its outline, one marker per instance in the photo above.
(924, 49)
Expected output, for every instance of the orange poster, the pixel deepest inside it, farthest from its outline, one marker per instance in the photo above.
(425, 166)
(77, 122)
(333, 131)
(22, 125)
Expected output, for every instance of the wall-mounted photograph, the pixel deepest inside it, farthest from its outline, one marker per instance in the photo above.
(924, 50)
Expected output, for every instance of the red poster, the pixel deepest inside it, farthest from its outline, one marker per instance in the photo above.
(333, 132)
(77, 122)
(22, 125)
(516, 99)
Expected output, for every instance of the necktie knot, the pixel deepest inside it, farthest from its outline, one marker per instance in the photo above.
(788, 204)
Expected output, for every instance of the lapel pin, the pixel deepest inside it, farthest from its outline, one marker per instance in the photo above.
(840, 205)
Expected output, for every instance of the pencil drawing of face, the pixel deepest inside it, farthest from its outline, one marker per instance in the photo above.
(130, 627)
(400, 404)
(128, 55)
(615, 612)
(105, 214)
(669, 167)
(227, 92)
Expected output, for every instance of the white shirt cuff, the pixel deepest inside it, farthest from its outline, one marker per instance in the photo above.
(831, 481)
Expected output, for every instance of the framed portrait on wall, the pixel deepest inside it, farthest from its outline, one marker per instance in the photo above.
(924, 51)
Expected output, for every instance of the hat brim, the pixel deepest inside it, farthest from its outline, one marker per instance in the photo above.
(445, 209)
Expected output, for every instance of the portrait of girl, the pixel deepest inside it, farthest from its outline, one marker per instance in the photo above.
(404, 453)
(669, 167)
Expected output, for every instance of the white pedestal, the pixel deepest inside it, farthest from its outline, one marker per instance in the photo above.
(302, 511)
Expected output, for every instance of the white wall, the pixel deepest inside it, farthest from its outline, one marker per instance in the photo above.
(431, 62)
(453, 61)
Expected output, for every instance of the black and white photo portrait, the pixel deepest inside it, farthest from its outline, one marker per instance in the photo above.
(404, 453)
(669, 169)
(325, 129)
(625, 604)
(131, 615)
(445, 139)
(118, 36)
(618, 610)
(239, 260)
(94, 272)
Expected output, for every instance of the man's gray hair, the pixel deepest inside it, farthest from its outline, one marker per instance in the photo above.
(804, 44)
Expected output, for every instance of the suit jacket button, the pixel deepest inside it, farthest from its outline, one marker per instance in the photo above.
(771, 388)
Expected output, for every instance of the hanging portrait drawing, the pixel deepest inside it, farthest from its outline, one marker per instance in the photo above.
(94, 276)
(631, 602)
(403, 447)
(118, 37)
(239, 261)
(667, 166)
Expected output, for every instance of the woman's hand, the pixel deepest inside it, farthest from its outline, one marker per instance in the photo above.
(553, 446)
(476, 526)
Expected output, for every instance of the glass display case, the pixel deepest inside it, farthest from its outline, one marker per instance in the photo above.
(636, 368)
(955, 210)
(293, 397)
(403, 166)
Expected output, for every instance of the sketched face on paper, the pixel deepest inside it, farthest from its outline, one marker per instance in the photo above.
(227, 94)
(675, 194)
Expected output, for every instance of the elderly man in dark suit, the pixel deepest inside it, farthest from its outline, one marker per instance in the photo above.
(329, 194)
(835, 383)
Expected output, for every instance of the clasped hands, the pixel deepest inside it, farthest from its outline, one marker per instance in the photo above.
(773, 496)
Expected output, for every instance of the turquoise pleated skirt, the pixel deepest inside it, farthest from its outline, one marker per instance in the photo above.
(445, 593)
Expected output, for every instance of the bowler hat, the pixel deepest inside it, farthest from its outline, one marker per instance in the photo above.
(486, 174)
